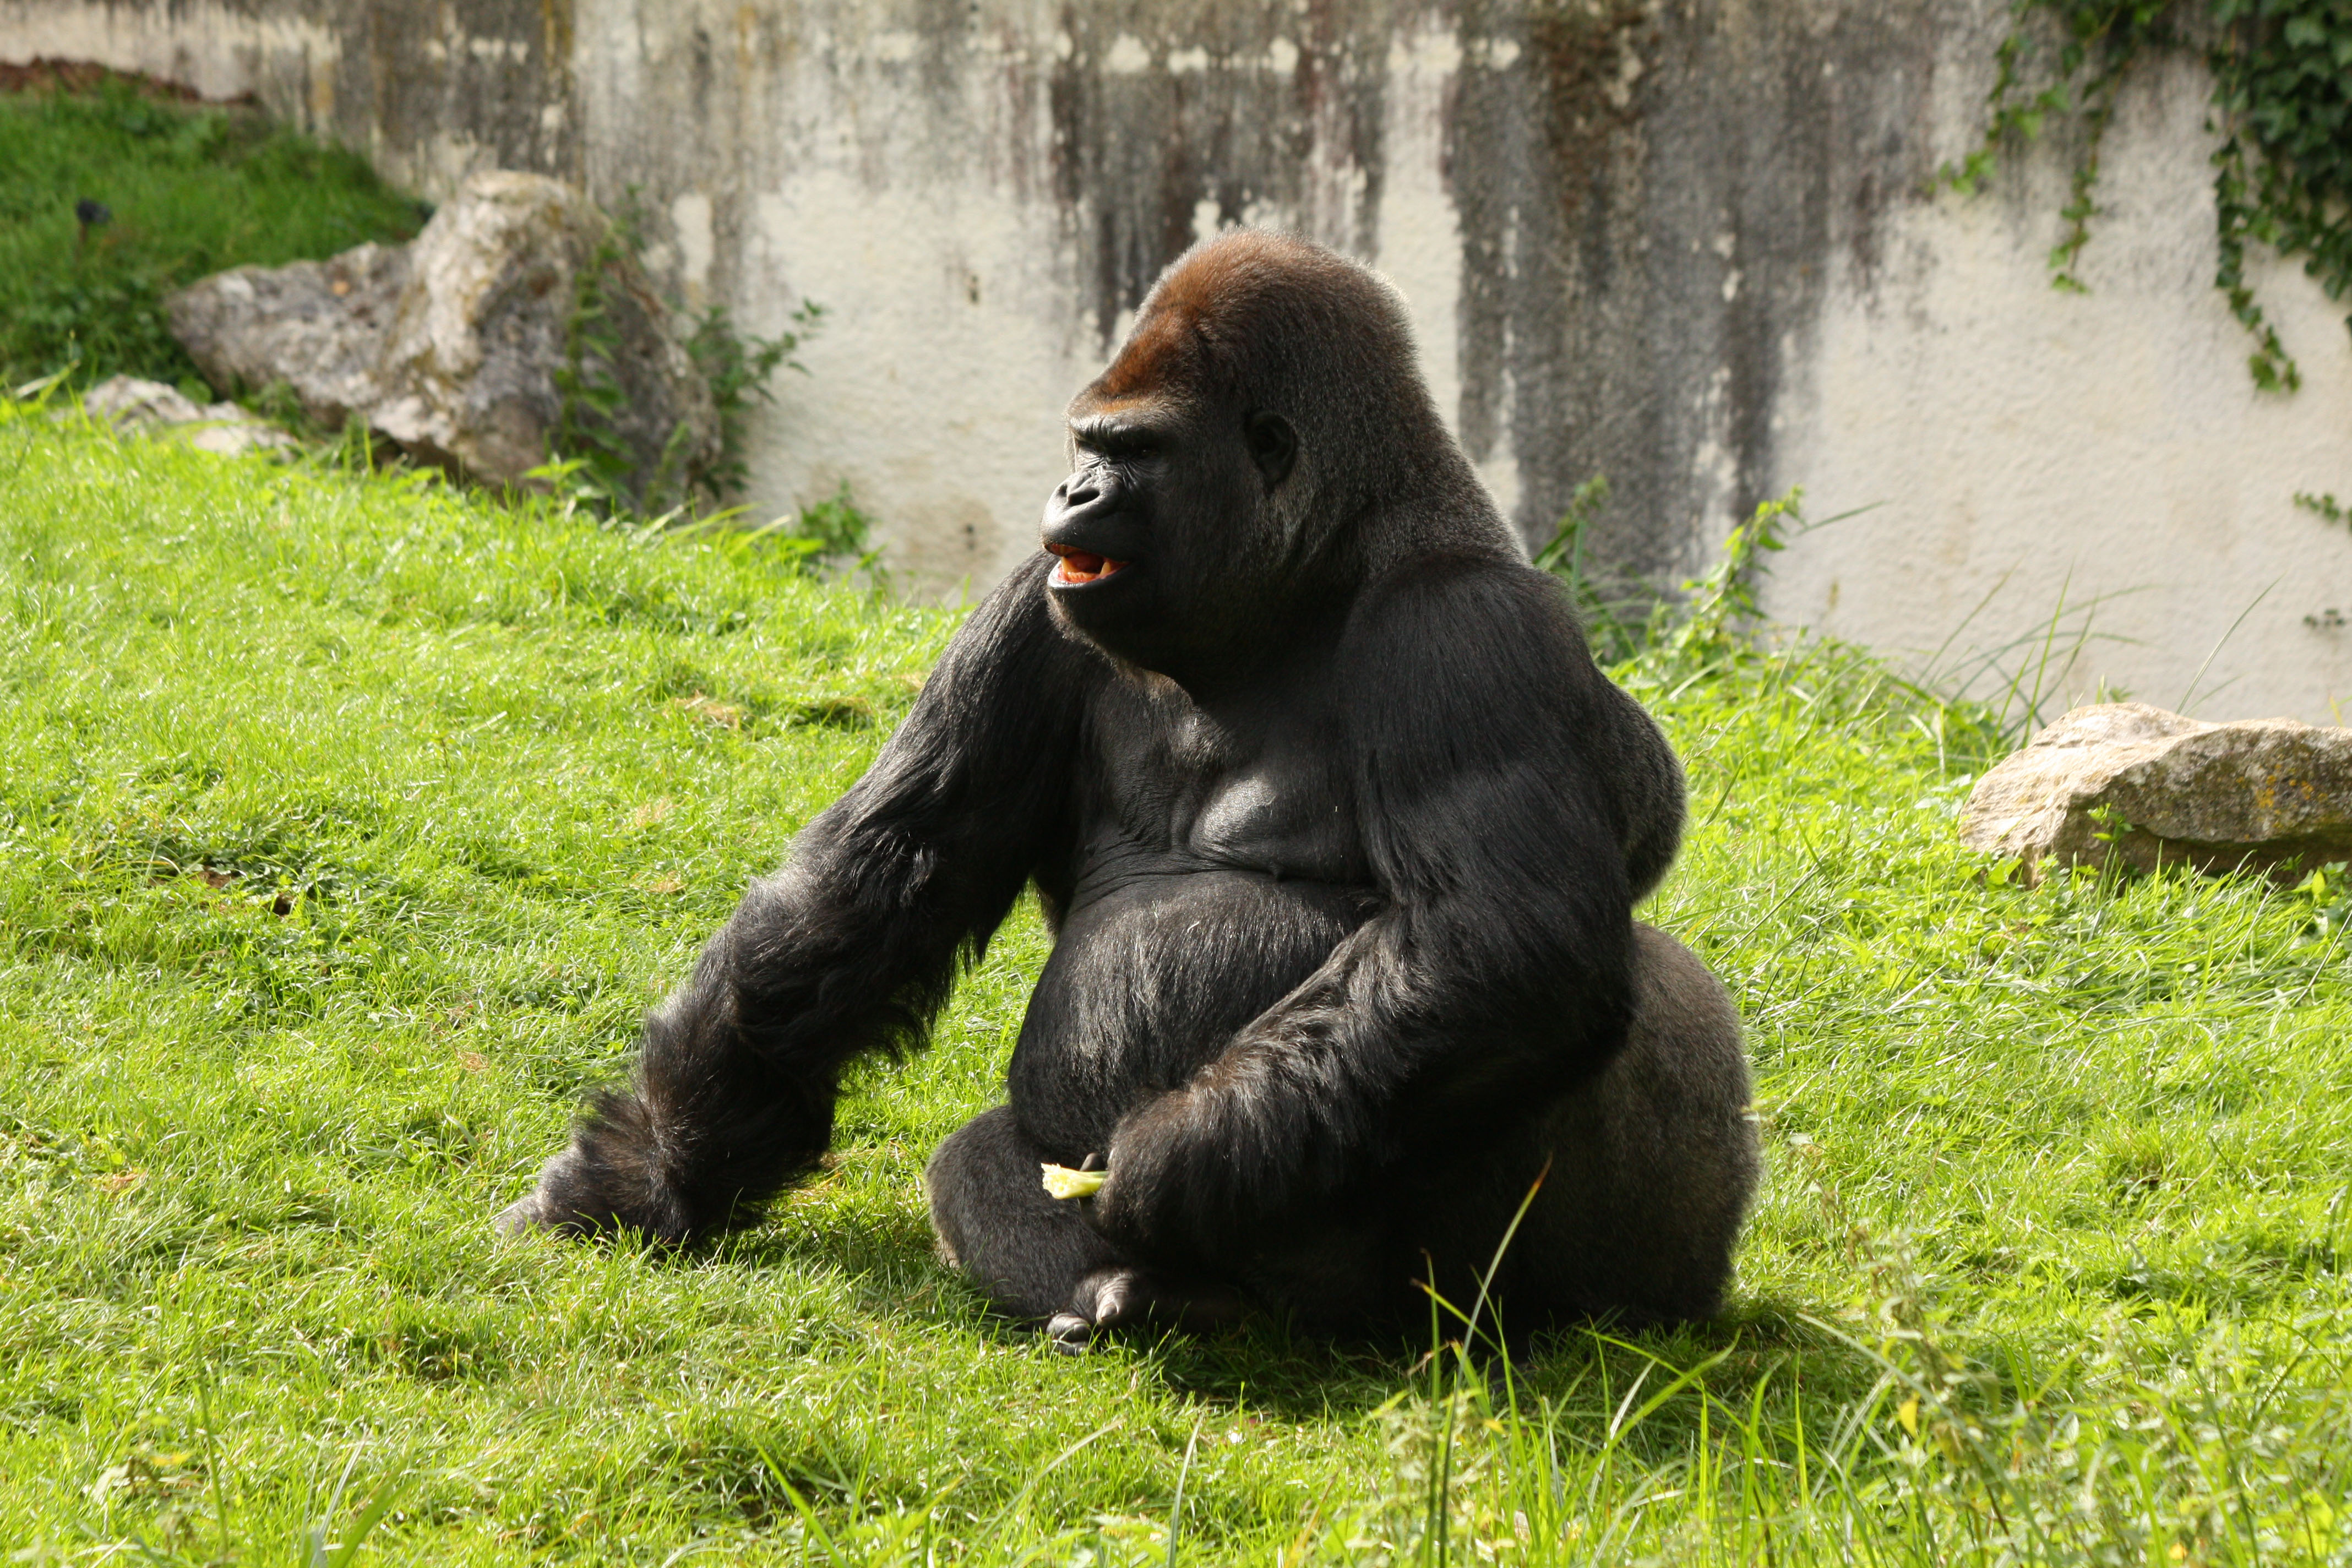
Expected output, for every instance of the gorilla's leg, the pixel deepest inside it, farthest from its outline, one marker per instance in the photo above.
(1652, 1167)
(1026, 1249)
(1654, 1164)
(1031, 1253)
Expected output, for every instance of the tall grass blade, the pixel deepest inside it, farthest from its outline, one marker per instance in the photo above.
(1184, 1474)
(2214, 652)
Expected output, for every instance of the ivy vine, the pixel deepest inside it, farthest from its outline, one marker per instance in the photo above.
(2282, 106)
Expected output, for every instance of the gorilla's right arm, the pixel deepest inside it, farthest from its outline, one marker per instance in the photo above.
(849, 948)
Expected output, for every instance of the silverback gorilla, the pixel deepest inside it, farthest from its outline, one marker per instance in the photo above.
(1339, 830)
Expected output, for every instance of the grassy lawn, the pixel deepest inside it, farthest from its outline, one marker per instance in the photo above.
(192, 190)
(348, 824)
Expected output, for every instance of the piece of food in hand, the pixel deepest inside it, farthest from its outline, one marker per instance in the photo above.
(1064, 1182)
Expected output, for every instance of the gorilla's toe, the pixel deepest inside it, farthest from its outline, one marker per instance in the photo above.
(1130, 1298)
(1123, 1299)
(1114, 1296)
(1069, 1333)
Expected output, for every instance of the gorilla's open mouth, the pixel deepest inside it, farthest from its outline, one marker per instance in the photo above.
(1082, 565)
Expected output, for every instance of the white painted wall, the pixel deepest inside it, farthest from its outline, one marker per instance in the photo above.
(219, 50)
(927, 226)
(2101, 459)
(2027, 452)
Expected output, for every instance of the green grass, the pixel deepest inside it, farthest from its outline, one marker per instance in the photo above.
(2049, 1268)
(193, 190)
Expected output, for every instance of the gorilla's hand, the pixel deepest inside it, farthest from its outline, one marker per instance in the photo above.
(1170, 1197)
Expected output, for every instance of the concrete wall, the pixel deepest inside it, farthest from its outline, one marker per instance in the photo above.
(1690, 244)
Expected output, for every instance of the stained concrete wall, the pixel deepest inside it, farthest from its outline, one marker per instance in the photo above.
(1690, 244)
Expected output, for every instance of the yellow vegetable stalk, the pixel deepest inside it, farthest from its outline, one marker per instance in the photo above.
(1064, 1182)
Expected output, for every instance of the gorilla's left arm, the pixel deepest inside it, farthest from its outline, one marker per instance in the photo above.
(1502, 784)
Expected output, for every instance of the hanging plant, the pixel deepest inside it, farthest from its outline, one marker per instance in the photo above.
(2282, 106)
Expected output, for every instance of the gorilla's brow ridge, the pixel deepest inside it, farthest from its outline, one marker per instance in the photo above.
(1110, 432)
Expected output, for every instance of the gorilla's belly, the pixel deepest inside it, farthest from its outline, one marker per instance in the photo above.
(1149, 979)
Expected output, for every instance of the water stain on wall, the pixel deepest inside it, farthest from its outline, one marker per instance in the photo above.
(1692, 245)
(1641, 192)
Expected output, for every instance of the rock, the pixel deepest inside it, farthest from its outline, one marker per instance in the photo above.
(317, 326)
(130, 404)
(2155, 788)
(457, 346)
(473, 359)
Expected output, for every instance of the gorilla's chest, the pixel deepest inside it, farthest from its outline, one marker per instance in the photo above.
(1281, 813)
(1213, 867)
(1175, 791)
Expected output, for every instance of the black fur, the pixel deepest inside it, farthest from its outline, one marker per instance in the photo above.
(1340, 830)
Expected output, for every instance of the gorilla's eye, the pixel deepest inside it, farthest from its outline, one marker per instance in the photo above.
(1130, 446)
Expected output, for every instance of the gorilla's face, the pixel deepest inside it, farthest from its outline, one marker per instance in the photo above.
(1166, 534)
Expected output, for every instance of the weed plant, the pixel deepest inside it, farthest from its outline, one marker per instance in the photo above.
(598, 464)
(187, 190)
(349, 822)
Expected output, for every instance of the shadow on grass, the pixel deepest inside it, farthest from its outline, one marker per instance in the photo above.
(1765, 1352)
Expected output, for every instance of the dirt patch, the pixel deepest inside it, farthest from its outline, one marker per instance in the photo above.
(40, 75)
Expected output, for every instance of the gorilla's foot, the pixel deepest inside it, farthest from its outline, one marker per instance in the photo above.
(1126, 1298)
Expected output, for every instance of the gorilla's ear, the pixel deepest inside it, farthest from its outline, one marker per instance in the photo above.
(1273, 445)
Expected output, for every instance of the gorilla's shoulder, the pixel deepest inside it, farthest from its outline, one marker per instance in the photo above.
(1470, 611)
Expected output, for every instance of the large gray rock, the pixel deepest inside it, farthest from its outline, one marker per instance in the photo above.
(455, 346)
(2155, 788)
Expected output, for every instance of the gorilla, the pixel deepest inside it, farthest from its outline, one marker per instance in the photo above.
(1338, 830)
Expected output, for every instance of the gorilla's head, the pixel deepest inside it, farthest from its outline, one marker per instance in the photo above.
(1226, 469)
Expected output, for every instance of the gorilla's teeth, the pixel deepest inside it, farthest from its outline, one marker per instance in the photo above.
(1081, 565)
